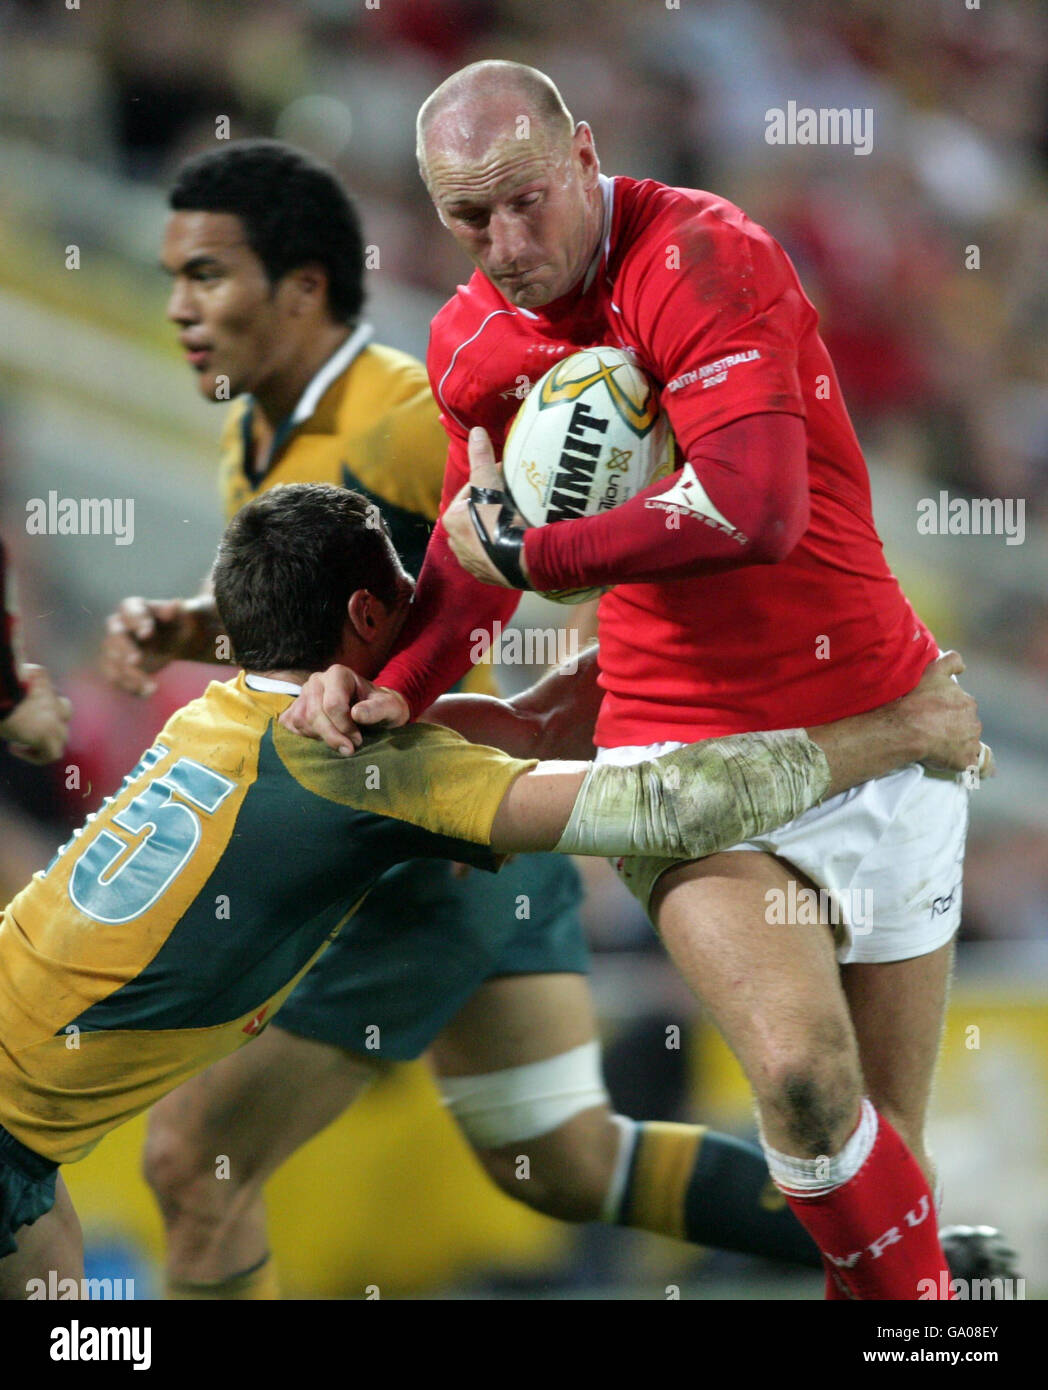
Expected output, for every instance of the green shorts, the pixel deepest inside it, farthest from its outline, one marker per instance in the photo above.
(424, 942)
(27, 1189)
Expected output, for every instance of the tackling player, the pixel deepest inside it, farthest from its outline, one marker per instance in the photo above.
(766, 603)
(265, 254)
(120, 975)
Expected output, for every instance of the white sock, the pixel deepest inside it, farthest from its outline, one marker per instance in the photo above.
(611, 1208)
(815, 1177)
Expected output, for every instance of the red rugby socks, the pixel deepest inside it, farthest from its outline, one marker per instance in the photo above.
(870, 1211)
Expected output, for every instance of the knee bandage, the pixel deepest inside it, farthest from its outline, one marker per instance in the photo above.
(505, 1107)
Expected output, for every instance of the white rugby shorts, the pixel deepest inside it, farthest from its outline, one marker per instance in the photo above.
(888, 853)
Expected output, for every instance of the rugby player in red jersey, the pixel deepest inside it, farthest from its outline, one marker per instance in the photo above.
(757, 581)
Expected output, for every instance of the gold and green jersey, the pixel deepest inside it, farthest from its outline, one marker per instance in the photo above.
(174, 923)
(367, 422)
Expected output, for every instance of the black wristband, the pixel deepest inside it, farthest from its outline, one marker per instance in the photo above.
(504, 549)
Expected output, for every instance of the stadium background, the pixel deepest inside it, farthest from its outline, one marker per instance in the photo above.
(944, 367)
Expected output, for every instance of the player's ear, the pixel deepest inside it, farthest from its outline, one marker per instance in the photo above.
(309, 284)
(585, 150)
(363, 615)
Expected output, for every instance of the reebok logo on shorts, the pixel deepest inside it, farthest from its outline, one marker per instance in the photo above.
(940, 906)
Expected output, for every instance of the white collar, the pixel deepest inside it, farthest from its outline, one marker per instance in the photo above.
(267, 683)
(607, 193)
(333, 367)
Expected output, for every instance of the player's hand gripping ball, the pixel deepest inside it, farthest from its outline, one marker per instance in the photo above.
(589, 436)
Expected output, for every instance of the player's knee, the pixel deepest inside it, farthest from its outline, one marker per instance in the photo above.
(814, 1091)
(543, 1130)
(564, 1174)
(183, 1177)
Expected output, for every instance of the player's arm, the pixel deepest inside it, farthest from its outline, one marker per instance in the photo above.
(741, 431)
(761, 467)
(144, 634)
(743, 487)
(753, 476)
(707, 796)
(449, 607)
(552, 719)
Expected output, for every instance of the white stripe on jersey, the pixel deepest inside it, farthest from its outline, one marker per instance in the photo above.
(454, 357)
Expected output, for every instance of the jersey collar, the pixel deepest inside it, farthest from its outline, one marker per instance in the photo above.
(333, 367)
(603, 251)
(267, 683)
(310, 398)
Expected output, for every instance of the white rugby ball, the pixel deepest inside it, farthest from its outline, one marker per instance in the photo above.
(589, 436)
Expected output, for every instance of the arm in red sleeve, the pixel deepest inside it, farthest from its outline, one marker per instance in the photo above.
(440, 635)
(435, 648)
(754, 471)
(719, 327)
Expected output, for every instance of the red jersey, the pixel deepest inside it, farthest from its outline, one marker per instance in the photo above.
(712, 308)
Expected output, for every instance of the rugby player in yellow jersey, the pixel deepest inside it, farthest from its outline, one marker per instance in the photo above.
(120, 977)
(266, 257)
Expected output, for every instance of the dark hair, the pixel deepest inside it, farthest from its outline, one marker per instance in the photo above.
(287, 566)
(294, 210)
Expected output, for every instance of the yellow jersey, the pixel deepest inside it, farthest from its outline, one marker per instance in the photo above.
(174, 923)
(375, 428)
(368, 422)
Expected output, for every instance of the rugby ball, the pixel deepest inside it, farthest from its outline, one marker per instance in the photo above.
(589, 436)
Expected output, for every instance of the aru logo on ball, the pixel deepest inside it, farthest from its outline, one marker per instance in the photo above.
(564, 383)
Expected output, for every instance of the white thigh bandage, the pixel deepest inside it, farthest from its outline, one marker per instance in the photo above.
(697, 799)
(504, 1107)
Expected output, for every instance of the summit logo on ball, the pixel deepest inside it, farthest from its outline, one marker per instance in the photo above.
(588, 437)
(573, 481)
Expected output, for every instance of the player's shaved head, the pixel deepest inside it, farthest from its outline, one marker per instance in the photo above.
(476, 105)
(513, 179)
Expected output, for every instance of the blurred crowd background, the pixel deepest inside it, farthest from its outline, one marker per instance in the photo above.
(926, 260)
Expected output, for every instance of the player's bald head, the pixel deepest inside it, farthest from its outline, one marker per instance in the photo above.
(514, 181)
(485, 102)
